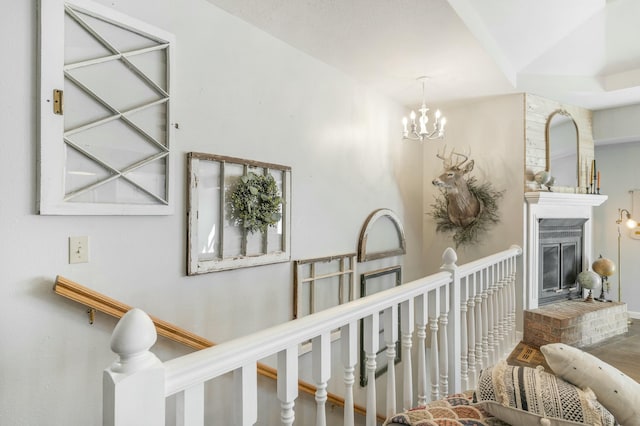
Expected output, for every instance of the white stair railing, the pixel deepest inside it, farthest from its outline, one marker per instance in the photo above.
(451, 308)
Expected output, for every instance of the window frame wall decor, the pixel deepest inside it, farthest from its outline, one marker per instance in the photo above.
(313, 279)
(365, 254)
(344, 271)
(381, 358)
(216, 241)
(105, 132)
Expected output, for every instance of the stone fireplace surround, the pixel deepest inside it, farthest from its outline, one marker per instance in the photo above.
(554, 205)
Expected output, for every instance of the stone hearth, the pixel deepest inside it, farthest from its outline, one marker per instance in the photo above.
(574, 322)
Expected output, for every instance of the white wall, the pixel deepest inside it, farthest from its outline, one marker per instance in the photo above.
(616, 125)
(240, 93)
(619, 173)
(617, 135)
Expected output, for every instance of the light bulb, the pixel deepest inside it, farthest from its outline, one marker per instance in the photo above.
(631, 223)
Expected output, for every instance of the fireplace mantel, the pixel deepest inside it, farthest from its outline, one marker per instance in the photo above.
(554, 205)
(564, 199)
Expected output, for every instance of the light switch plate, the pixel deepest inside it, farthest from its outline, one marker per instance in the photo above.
(79, 249)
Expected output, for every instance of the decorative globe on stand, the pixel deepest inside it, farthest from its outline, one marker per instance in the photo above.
(588, 280)
(605, 268)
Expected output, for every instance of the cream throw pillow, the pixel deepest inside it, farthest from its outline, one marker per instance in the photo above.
(616, 391)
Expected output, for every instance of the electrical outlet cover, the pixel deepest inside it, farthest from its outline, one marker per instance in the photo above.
(79, 249)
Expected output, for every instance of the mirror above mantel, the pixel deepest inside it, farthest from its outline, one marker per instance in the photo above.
(541, 149)
(562, 147)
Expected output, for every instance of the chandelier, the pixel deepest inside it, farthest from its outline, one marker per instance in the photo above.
(422, 130)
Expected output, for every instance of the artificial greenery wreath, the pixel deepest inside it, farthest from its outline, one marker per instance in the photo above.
(466, 235)
(256, 202)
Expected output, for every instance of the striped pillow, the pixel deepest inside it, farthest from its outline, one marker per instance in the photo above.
(532, 390)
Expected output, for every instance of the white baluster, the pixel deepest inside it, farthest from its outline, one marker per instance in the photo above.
(390, 339)
(371, 346)
(512, 300)
(433, 358)
(421, 334)
(503, 313)
(245, 390)
(507, 316)
(190, 406)
(136, 372)
(496, 313)
(496, 319)
(444, 354)
(479, 328)
(506, 309)
(288, 383)
(471, 330)
(464, 347)
(406, 328)
(490, 320)
(321, 361)
(485, 328)
(348, 339)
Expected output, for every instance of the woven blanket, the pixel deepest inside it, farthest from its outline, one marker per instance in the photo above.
(453, 410)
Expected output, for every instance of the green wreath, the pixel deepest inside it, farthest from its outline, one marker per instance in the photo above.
(256, 202)
(468, 235)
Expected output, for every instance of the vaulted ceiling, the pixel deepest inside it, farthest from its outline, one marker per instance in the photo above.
(581, 52)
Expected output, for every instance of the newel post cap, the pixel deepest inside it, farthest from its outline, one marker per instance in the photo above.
(132, 338)
(449, 259)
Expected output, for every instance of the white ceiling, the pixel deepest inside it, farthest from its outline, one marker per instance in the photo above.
(581, 52)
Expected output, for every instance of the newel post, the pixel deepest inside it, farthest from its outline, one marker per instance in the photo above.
(449, 259)
(133, 386)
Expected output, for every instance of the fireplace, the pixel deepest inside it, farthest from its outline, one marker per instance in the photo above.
(560, 258)
(558, 243)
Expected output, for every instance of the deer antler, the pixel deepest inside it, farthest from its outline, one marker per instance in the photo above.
(457, 154)
(445, 160)
(448, 159)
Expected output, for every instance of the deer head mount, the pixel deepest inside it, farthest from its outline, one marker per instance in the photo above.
(463, 206)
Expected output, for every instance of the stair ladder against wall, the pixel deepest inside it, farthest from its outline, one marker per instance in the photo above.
(470, 311)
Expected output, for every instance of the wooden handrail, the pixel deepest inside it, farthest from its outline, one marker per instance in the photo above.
(94, 300)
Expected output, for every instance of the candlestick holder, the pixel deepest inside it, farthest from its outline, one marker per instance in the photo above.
(603, 291)
(605, 268)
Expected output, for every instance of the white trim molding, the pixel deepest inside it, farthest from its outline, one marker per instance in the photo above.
(553, 205)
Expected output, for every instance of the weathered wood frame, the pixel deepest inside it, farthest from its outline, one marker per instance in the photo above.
(547, 137)
(54, 139)
(346, 271)
(381, 366)
(363, 254)
(197, 264)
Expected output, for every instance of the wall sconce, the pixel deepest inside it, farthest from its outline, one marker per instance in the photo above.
(629, 223)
